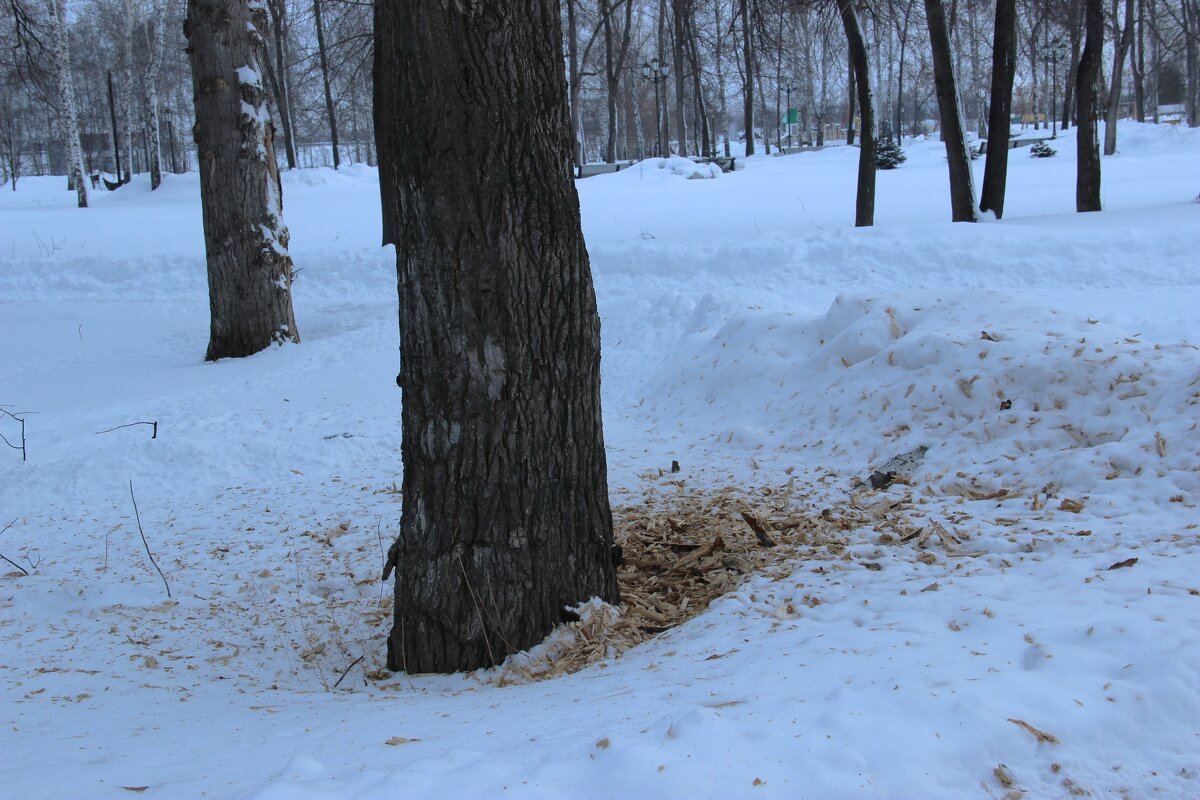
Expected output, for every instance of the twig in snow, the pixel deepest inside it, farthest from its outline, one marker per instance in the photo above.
(353, 664)
(153, 433)
(138, 517)
(15, 564)
(6, 558)
(21, 419)
(382, 556)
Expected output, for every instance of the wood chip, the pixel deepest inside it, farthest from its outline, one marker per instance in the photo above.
(1042, 736)
(1069, 504)
(1129, 562)
(401, 740)
(759, 528)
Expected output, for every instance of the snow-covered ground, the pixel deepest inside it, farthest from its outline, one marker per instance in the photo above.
(1049, 362)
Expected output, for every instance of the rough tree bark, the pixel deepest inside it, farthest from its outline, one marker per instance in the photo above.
(249, 269)
(324, 57)
(864, 206)
(506, 518)
(1087, 163)
(958, 159)
(1004, 67)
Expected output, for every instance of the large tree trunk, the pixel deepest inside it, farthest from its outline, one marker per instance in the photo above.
(1123, 43)
(958, 159)
(324, 57)
(68, 115)
(864, 207)
(249, 269)
(1087, 177)
(506, 518)
(1004, 66)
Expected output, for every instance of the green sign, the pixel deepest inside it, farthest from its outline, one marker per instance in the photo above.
(793, 117)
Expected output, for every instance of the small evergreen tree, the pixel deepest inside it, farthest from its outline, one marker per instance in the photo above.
(1041, 150)
(888, 155)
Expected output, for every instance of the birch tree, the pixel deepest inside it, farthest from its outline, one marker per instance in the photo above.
(127, 88)
(68, 117)
(155, 22)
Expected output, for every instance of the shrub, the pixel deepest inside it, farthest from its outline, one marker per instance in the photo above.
(1041, 150)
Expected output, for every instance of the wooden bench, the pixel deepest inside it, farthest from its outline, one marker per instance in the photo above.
(589, 170)
(1014, 143)
(726, 163)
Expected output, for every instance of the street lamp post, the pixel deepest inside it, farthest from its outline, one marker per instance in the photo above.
(1054, 49)
(789, 89)
(656, 71)
(171, 139)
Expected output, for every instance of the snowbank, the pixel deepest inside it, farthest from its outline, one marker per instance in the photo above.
(1047, 361)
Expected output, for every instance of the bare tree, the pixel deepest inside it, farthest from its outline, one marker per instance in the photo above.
(11, 136)
(1004, 68)
(958, 159)
(748, 69)
(324, 57)
(864, 207)
(506, 518)
(1123, 41)
(1087, 176)
(281, 81)
(155, 22)
(249, 268)
(56, 11)
(127, 87)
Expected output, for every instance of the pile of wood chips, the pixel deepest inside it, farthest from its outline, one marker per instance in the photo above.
(684, 548)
